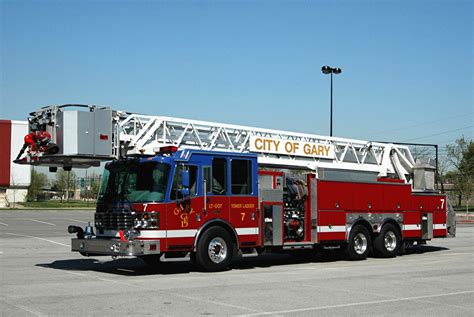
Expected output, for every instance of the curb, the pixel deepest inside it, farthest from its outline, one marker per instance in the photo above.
(465, 218)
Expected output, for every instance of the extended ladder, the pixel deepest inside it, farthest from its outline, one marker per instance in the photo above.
(144, 134)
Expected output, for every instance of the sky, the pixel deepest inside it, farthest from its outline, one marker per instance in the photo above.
(407, 66)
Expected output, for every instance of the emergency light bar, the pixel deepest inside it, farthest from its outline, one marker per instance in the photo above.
(167, 149)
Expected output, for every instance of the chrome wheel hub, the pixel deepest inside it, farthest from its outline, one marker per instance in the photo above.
(360, 243)
(217, 250)
(390, 241)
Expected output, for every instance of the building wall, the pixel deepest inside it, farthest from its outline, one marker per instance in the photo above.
(10, 196)
(14, 178)
(20, 175)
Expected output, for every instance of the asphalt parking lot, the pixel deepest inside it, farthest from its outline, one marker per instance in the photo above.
(41, 277)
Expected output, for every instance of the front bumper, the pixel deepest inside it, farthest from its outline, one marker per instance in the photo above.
(115, 247)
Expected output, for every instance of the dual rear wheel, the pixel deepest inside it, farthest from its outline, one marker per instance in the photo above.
(386, 244)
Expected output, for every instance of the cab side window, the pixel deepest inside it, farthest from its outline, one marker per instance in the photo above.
(175, 190)
(241, 177)
(219, 172)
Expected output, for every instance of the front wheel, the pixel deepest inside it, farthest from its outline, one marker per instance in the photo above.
(359, 244)
(214, 250)
(387, 243)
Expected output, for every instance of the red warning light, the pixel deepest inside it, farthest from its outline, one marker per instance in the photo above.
(104, 137)
(168, 149)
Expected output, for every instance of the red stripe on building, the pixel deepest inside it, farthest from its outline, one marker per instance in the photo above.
(5, 151)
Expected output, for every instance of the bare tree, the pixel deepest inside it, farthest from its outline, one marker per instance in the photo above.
(442, 170)
(460, 156)
(13, 188)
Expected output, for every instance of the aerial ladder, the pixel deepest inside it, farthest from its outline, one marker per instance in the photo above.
(88, 134)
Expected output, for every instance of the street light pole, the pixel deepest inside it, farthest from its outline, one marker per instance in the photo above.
(329, 70)
(330, 125)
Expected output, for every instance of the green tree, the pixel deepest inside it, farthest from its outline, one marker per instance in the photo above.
(92, 187)
(95, 185)
(461, 156)
(65, 183)
(38, 182)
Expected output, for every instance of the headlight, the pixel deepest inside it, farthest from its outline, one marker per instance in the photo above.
(98, 220)
(147, 220)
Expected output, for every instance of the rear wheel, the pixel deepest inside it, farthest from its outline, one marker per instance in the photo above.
(214, 250)
(387, 243)
(359, 243)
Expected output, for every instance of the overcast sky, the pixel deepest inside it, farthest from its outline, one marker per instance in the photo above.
(407, 67)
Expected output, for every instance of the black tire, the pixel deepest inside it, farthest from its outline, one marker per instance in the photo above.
(192, 257)
(387, 243)
(214, 250)
(360, 243)
(152, 260)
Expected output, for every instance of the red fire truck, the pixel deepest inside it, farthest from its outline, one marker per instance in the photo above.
(214, 191)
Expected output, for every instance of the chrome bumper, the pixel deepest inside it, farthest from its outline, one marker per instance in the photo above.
(115, 247)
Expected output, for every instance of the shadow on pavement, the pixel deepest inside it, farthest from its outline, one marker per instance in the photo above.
(121, 266)
(420, 249)
(136, 267)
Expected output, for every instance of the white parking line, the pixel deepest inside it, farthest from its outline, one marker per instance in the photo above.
(308, 309)
(98, 278)
(22, 307)
(125, 270)
(197, 299)
(75, 220)
(43, 222)
(3, 224)
(37, 238)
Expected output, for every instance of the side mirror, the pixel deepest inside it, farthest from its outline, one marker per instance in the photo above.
(185, 179)
(185, 192)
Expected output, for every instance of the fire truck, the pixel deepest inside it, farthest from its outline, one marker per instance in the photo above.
(176, 187)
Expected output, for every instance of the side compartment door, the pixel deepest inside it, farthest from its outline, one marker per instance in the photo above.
(271, 206)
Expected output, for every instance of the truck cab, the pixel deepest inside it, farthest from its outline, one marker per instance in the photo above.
(174, 201)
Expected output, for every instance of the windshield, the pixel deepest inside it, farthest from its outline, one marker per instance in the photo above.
(132, 182)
